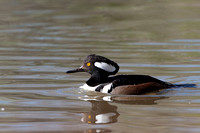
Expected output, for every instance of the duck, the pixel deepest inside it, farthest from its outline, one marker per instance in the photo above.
(102, 80)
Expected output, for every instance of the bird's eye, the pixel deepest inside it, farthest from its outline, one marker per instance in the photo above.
(88, 64)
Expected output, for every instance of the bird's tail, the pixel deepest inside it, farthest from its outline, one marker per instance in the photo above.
(185, 85)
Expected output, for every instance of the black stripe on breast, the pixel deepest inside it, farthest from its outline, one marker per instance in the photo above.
(110, 90)
(99, 88)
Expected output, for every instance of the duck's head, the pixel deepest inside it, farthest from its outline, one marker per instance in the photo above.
(95, 64)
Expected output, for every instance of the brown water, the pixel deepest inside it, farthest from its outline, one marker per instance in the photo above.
(40, 40)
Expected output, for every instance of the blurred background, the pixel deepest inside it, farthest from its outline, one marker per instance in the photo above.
(40, 40)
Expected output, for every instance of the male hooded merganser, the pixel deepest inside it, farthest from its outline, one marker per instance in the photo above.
(101, 68)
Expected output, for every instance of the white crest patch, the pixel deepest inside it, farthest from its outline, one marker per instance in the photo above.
(105, 66)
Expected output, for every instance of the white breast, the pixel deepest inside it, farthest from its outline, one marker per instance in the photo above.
(88, 88)
(106, 88)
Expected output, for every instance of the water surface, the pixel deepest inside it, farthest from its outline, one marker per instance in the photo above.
(41, 40)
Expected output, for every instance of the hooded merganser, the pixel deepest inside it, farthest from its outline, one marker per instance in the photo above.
(101, 68)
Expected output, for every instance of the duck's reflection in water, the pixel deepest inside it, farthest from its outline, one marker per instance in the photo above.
(137, 100)
(102, 112)
(97, 130)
